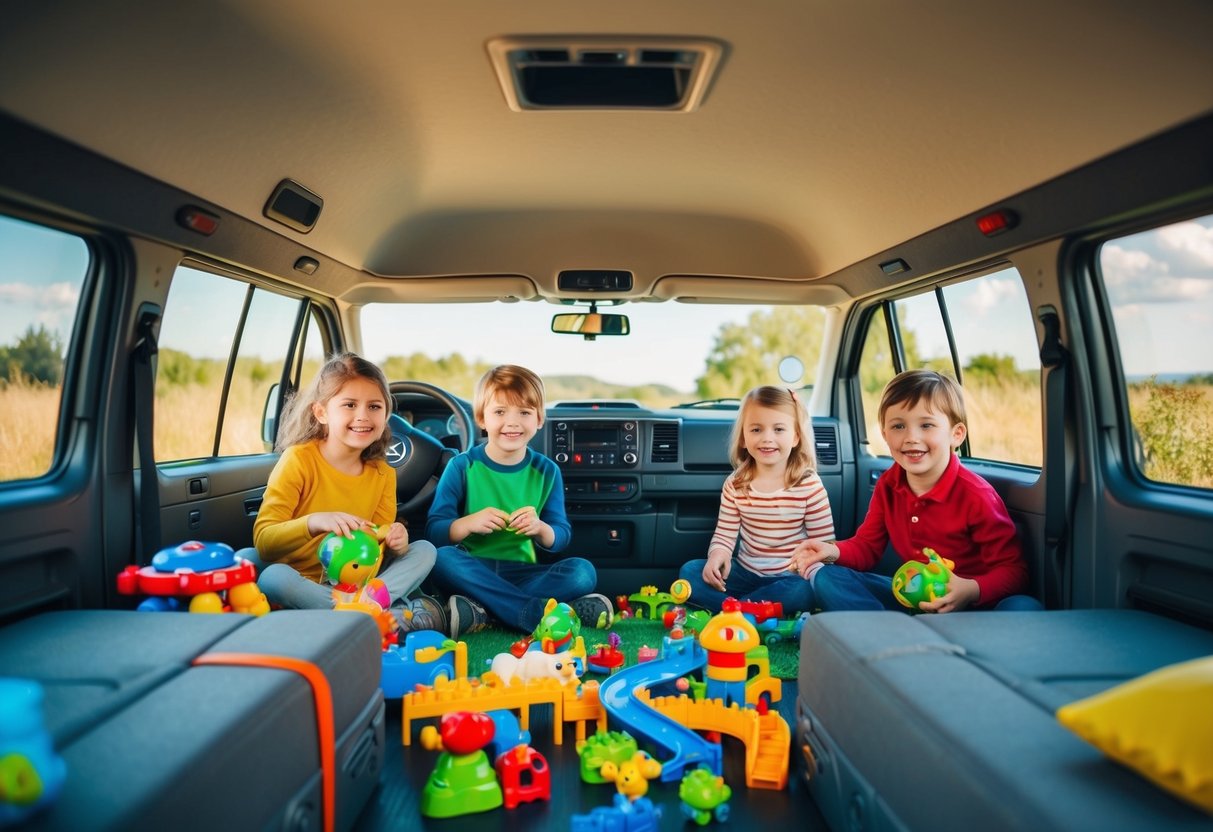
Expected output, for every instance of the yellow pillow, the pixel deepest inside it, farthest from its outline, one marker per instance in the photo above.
(1160, 725)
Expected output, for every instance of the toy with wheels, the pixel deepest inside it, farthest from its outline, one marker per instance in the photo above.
(205, 577)
(704, 796)
(915, 581)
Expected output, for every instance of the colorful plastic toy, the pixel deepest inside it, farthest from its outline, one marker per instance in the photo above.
(525, 776)
(623, 607)
(558, 628)
(727, 637)
(704, 796)
(535, 664)
(915, 581)
(606, 658)
(31, 773)
(632, 776)
(775, 630)
(425, 657)
(624, 816)
(649, 603)
(463, 781)
(507, 733)
(351, 564)
(603, 747)
(759, 611)
(205, 573)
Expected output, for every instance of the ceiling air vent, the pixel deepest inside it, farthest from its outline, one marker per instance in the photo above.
(825, 443)
(608, 73)
(665, 442)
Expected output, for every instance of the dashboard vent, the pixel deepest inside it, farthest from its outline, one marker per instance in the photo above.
(825, 442)
(665, 442)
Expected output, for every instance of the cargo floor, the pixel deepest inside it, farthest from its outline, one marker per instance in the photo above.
(396, 803)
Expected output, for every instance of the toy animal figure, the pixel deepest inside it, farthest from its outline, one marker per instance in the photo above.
(915, 581)
(704, 795)
(535, 664)
(558, 628)
(351, 564)
(632, 777)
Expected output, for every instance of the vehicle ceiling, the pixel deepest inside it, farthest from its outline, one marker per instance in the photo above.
(831, 131)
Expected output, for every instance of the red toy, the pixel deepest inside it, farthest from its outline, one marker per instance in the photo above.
(525, 776)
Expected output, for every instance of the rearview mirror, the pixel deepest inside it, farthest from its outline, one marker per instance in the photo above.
(590, 324)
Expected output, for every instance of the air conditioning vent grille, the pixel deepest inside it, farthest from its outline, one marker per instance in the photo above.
(825, 444)
(665, 443)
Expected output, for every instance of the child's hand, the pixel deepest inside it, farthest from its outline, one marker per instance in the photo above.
(526, 521)
(809, 553)
(961, 593)
(716, 570)
(397, 538)
(486, 521)
(338, 522)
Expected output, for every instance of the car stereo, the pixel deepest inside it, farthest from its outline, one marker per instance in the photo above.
(580, 443)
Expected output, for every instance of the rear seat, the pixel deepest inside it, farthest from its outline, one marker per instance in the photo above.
(153, 742)
(948, 721)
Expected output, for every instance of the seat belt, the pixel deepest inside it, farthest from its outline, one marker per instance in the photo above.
(143, 357)
(1056, 358)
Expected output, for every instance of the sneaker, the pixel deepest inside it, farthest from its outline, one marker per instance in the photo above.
(422, 613)
(594, 610)
(466, 616)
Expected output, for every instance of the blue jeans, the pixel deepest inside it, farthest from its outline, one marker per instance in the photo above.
(513, 593)
(840, 588)
(793, 591)
(287, 588)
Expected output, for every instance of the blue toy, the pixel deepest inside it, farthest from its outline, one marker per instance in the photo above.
(425, 657)
(195, 556)
(31, 773)
(639, 815)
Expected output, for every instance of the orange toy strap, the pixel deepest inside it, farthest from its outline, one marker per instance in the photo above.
(323, 697)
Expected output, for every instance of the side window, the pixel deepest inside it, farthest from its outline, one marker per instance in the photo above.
(224, 344)
(980, 331)
(42, 273)
(1159, 285)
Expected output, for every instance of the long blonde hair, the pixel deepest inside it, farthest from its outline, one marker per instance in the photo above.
(299, 423)
(801, 461)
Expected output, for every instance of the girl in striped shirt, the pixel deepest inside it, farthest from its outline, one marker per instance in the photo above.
(773, 501)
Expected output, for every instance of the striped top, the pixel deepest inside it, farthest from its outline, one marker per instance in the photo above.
(771, 524)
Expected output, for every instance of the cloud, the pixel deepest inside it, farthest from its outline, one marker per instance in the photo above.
(1135, 276)
(55, 297)
(990, 294)
(1188, 245)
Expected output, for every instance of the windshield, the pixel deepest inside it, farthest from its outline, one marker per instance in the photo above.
(674, 354)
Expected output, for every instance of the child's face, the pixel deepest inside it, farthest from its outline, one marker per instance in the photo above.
(355, 416)
(509, 426)
(921, 440)
(770, 436)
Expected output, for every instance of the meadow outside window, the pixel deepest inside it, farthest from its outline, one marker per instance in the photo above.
(1159, 288)
(224, 344)
(42, 275)
(980, 331)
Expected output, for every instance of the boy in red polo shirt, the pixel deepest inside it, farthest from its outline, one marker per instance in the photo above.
(928, 500)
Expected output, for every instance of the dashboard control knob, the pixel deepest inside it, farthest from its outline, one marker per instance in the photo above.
(562, 457)
(629, 458)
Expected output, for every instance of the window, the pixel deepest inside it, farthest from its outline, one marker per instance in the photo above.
(212, 325)
(42, 274)
(1159, 285)
(980, 331)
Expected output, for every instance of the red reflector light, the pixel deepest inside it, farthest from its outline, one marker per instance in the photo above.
(195, 219)
(997, 222)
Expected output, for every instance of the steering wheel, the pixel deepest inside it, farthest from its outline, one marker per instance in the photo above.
(415, 456)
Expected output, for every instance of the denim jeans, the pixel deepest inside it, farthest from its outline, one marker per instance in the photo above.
(793, 591)
(287, 588)
(513, 593)
(840, 588)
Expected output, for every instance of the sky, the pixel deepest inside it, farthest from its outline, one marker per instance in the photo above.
(1160, 284)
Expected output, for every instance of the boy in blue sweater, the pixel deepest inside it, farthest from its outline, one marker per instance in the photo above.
(493, 504)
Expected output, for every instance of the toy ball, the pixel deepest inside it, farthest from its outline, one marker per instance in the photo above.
(337, 552)
(680, 590)
(915, 581)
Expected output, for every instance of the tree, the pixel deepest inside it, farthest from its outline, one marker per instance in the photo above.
(37, 356)
(747, 355)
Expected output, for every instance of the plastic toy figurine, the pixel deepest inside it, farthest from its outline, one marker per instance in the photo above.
(425, 657)
(606, 658)
(535, 664)
(210, 575)
(761, 611)
(351, 564)
(704, 796)
(915, 581)
(558, 628)
(649, 603)
(625, 815)
(31, 773)
(774, 631)
(623, 607)
(463, 781)
(727, 637)
(632, 776)
(615, 747)
(525, 776)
